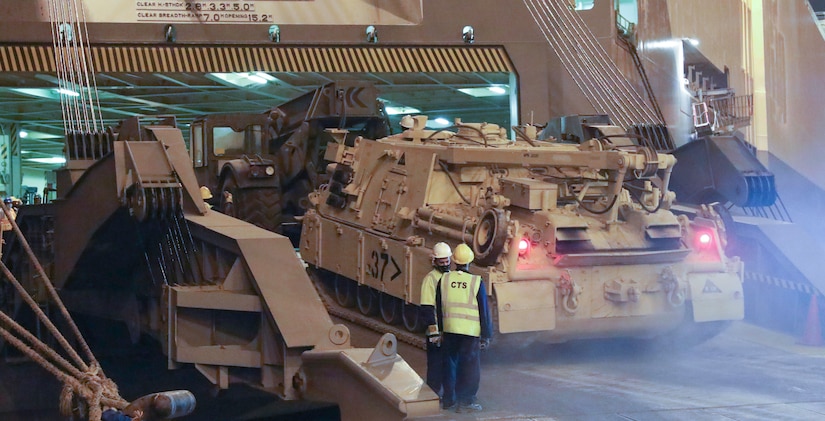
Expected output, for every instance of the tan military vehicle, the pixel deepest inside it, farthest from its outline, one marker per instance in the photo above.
(577, 240)
(268, 162)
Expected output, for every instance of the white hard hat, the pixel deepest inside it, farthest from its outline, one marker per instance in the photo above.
(441, 250)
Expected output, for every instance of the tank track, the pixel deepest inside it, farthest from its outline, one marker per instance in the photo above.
(354, 316)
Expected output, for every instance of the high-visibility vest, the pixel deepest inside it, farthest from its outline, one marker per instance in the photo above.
(459, 306)
(428, 287)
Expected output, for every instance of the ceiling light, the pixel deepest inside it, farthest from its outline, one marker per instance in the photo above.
(170, 33)
(67, 92)
(438, 123)
(38, 92)
(66, 32)
(468, 34)
(663, 44)
(264, 75)
(495, 90)
(32, 134)
(275, 33)
(401, 109)
(49, 160)
(372, 34)
(257, 79)
(244, 80)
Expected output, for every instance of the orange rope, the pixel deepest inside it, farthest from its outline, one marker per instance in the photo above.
(41, 315)
(55, 298)
(88, 381)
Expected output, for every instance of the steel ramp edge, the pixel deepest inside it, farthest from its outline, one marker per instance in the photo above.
(368, 384)
(77, 221)
(287, 294)
(791, 241)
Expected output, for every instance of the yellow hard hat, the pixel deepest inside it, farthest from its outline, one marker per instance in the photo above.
(206, 194)
(463, 254)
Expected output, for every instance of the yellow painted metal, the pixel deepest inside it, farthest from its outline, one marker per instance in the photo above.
(526, 306)
(369, 384)
(600, 257)
(716, 296)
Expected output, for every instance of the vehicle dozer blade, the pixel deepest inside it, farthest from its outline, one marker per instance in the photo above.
(224, 295)
(319, 363)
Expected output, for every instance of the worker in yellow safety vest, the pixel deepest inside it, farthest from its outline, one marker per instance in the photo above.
(466, 328)
(430, 302)
(5, 225)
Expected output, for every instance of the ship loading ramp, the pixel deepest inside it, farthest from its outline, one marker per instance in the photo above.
(133, 241)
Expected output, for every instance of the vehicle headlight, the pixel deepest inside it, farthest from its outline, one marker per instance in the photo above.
(270, 170)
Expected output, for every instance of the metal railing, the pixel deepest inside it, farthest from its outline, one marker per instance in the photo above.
(731, 112)
(626, 28)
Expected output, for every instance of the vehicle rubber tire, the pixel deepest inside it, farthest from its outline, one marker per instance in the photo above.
(411, 317)
(262, 207)
(258, 206)
(367, 300)
(390, 308)
(345, 291)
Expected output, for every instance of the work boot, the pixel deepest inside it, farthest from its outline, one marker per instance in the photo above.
(447, 406)
(470, 407)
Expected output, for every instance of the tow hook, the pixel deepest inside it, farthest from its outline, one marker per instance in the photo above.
(570, 292)
(670, 284)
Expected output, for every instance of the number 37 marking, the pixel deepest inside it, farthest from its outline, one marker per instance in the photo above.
(377, 267)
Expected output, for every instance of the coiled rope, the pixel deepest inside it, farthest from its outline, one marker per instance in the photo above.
(82, 377)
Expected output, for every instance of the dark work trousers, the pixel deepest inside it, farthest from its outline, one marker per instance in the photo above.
(435, 367)
(462, 369)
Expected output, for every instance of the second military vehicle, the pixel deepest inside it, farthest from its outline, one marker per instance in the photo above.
(264, 165)
(577, 240)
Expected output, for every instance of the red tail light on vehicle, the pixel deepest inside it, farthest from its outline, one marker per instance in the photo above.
(523, 247)
(703, 239)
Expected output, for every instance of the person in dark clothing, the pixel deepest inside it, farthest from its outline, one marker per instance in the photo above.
(429, 300)
(467, 328)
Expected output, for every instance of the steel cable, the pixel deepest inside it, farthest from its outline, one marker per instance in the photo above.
(589, 95)
(580, 34)
(52, 294)
(570, 60)
(607, 96)
(598, 77)
(608, 68)
(583, 59)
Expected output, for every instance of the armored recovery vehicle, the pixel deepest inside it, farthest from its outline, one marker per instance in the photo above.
(268, 163)
(576, 239)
